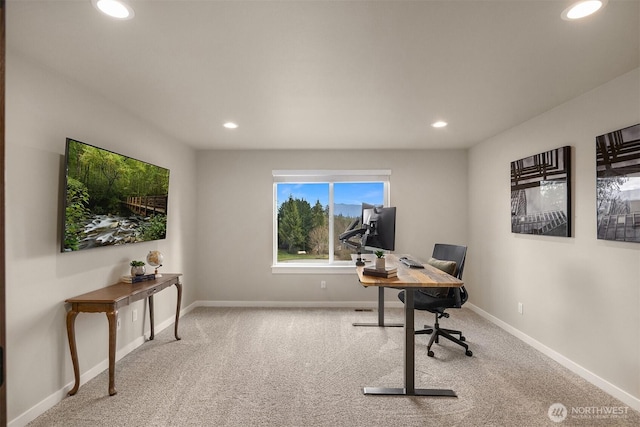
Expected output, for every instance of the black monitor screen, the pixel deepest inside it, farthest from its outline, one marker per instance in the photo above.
(381, 224)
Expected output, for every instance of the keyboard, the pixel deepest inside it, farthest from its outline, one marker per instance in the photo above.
(410, 263)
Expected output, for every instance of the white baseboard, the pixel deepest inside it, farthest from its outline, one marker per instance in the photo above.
(55, 398)
(594, 379)
(298, 304)
(39, 409)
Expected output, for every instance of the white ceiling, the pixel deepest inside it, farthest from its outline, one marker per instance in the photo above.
(330, 74)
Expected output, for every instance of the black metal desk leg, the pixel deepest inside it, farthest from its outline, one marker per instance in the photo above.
(409, 360)
(409, 343)
(380, 313)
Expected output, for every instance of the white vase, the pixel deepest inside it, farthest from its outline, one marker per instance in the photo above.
(138, 271)
(379, 263)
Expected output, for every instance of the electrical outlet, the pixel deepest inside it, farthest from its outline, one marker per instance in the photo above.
(520, 307)
(323, 284)
(118, 324)
(134, 315)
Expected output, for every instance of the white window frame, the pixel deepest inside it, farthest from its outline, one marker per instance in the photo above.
(324, 176)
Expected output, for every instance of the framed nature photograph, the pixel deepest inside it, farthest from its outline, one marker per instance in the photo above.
(618, 184)
(111, 199)
(541, 193)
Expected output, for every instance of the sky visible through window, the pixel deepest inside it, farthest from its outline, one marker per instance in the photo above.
(350, 193)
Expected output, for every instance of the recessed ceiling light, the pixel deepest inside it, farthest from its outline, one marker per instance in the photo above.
(439, 124)
(118, 9)
(230, 125)
(582, 9)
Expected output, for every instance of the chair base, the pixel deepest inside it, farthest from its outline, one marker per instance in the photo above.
(438, 332)
(427, 330)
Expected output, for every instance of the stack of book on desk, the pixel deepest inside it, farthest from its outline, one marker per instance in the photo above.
(136, 279)
(386, 273)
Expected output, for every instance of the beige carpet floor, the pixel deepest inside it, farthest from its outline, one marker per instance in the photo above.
(307, 367)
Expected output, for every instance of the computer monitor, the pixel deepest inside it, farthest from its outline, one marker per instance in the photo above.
(381, 228)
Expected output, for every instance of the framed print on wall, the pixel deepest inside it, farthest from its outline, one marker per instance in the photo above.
(541, 193)
(618, 185)
(111, 199)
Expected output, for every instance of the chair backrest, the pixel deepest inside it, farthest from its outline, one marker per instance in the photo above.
(455, 253)
(458, 254)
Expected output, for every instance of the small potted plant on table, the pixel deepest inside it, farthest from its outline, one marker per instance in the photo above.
(137, 268)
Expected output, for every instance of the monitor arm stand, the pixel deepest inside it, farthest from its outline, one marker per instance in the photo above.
(357, 245)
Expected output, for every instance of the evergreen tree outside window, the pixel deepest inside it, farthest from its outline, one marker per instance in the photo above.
(312, 208)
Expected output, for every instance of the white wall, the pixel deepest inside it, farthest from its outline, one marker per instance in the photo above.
(232, 192)
(235, 219)
(43, 109)
(581, 295)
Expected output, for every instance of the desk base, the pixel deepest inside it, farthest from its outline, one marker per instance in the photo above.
(384, 325)
(380, 314)
(386, 391)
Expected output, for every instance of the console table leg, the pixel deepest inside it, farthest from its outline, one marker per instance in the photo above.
(112, 317)
(153, 335)
(71, 335)
(179, 288)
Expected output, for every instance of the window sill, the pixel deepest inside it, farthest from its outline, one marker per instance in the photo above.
(313, 269)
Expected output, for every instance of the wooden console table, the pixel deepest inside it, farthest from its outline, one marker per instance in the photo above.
(108, 300)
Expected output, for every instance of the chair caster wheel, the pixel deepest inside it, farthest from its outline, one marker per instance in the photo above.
(430, 353)
(462, 338)
(468, 353)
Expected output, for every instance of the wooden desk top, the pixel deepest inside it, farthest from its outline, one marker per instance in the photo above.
(428, 277)
(121, 292)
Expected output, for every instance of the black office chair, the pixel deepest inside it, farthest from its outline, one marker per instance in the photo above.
(437, 300)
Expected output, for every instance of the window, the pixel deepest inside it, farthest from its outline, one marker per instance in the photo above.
(312, 208)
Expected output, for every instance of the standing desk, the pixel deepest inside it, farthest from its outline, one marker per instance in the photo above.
(409, 279)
